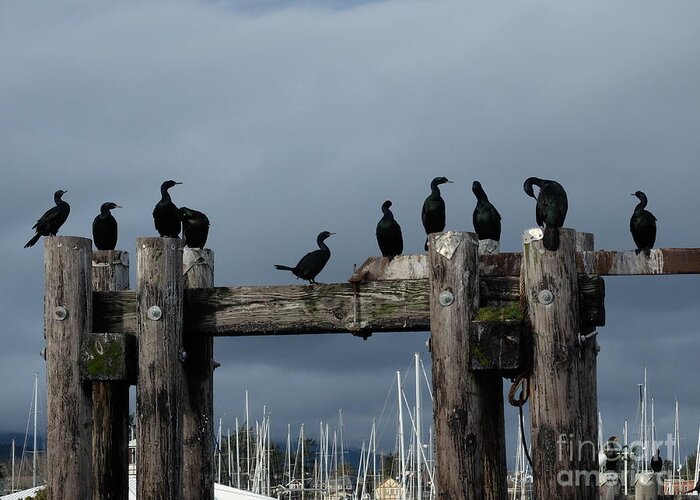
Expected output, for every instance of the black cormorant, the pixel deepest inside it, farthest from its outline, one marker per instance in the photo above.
(165, 214)
(487, 220)
(389, 233)
(551, 208)
(612, 453)
(433, 214)
(657, 462)
(104, 228)
(49, 223)
(643, 225)
(195, 227)
(313, 262)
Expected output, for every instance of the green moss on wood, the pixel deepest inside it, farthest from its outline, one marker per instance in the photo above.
(509, 312)
(107, 364)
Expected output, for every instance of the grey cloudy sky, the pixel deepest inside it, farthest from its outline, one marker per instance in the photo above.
(285, 118)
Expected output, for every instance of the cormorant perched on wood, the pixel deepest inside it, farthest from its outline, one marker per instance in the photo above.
(433, 214)
(388, 233)
(551, 208)
(313, 262)
(487, 220)
(643, 225)
(49, 223)
(104, 228)
(657, 462)
(195, 227)
(166, 216)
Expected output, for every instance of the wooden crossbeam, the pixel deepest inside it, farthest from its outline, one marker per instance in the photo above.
(378, 306)
(661, 261)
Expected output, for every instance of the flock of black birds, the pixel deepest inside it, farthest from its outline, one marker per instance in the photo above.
(169, 220)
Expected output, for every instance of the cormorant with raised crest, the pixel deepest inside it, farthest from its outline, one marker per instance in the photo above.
(104, 228)
(195, 227)
(550, 210)
(487, 220)
(52, 220)
(313, 262)
(433, 213)
(166, 216)
(388, 233)
(643, 226)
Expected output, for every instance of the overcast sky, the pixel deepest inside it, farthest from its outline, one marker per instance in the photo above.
(285, 118)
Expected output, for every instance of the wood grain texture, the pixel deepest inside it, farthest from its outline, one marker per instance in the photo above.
(457, 403)
(159, 389)
(198, 389)
(557, 410)
(383, 306)
(69, 402)
(110, 400)
(599, 262)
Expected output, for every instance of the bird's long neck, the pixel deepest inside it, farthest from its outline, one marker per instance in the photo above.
(57, 199)
(104, 210)
(434, 189)
(164, 195)
(388, 214)
(480, 194)
(641, 205)
(322, 244)
(532, 181)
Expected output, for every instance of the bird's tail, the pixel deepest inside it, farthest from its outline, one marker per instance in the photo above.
(426, 244)
(551, 238)
(34, 239)
(283, 268)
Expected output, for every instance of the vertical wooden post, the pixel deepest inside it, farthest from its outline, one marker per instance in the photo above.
(67, 317)
(454, 299)
(493, 426)
(588, 381)
(160, 378)
(110, 400)
(560, 442)
(198, 407)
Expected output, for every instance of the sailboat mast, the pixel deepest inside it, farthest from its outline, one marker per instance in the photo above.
(419, 434)
(303, 483)
(247, 439)
(238, 456)
(697, 461)
(218, 475)
(12, 484)
(402, 451)
(230, 472)
(36, 398)
(626, 456)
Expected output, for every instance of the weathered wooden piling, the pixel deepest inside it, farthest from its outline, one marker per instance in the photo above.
(561, 439)
(646, 486)
(493, 425)
(110, 400)
(198, 389)
(454, 300)
(160, 378)
(67, 318)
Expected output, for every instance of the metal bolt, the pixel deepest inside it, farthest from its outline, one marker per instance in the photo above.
(155, 313)
(545, 297)
(183, 356)
(446, 298)
(60, 313)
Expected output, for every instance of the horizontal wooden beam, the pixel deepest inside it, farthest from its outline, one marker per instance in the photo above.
(379, 306)
(600, 262)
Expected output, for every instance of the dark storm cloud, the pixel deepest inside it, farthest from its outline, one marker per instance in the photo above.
(289, 118)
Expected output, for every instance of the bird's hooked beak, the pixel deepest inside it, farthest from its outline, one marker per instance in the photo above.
(178, 183)
(632, 194)
(332, 234)
(118, 206)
